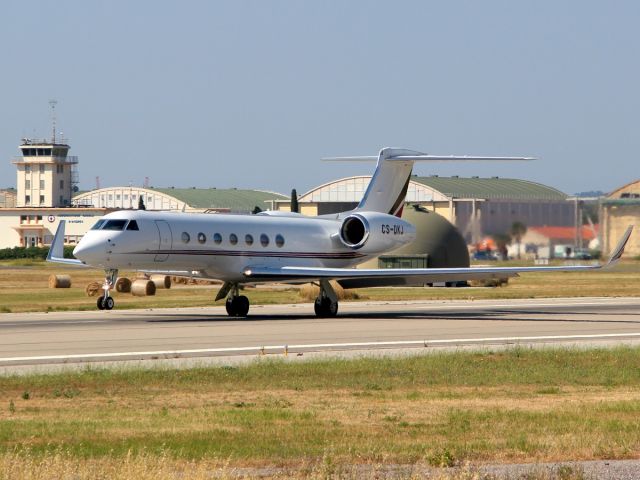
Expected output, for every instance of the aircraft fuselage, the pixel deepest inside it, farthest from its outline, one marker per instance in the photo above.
(223, 245)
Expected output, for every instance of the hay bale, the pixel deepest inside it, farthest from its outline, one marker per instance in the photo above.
(161, 281)
(123, 285)
(93, 289)
(59, 281)
(489, 282)
(141, 287)
(310, 292)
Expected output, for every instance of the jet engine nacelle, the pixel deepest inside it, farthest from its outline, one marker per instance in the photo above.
(373, 232)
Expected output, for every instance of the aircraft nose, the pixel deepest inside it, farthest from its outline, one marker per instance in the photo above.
(89, 251)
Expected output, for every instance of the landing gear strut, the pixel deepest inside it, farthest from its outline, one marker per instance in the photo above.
(326, 305)
(105, 302)
(237, 305)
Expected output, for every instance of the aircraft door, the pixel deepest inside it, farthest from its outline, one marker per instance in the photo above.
(165, 241)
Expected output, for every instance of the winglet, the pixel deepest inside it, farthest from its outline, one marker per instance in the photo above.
(56, 251)
(619, 250)
(57, 246)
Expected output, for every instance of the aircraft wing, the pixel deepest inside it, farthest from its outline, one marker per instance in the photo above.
(357, 278)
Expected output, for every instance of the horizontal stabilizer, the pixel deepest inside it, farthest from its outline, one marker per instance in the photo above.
(423, 157)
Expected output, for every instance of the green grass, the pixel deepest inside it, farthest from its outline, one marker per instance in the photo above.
(516, 405)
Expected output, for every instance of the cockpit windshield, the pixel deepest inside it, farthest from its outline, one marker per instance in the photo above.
(114, 225)
(98, 225)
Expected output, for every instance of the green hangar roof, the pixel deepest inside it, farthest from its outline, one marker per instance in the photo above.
(233, 199)
(490, 188)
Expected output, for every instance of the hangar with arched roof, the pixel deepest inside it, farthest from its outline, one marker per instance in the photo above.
(476, 206)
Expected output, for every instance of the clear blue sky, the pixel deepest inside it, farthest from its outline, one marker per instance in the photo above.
(253, 93)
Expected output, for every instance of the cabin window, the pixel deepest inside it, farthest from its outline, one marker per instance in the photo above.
(133, 225)
(98, 224)
(279, 240)
(233, 239)
(114, 225)
(248, 239)
(217, 238)
(186, 238)
(202, 237)
(264, 240)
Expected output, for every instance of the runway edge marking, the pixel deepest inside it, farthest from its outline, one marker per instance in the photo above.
(289, 347)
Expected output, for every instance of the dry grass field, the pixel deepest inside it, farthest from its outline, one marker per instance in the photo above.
(324, 419)
(24, 288)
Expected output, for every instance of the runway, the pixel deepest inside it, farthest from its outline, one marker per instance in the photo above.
(76, 337)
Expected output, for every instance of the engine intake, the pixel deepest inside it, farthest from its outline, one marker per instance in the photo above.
(354, 231)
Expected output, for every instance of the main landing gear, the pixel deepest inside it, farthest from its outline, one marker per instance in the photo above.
(105, 302)
(326, 305)
(237, 305)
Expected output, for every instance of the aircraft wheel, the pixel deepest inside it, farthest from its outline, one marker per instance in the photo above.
(242, 306)
(324, 307)
(100, 304)
(230, 304)
(109, 303)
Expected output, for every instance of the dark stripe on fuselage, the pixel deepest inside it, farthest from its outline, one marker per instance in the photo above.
(246, 253)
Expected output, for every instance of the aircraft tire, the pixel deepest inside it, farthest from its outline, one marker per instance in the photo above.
(324, 307)
(242, 306)
(230, 304)
(109, 303)
(100, 304)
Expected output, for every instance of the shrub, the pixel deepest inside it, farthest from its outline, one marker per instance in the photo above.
(35, 253)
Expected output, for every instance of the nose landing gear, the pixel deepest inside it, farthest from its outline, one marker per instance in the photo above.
(326, 305)
(105, 302)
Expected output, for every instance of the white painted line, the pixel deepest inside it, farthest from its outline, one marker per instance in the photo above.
(268, 348)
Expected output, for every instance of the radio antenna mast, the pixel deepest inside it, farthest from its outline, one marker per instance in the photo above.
(53, 104)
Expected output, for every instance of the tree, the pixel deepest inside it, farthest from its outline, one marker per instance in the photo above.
(141, 203)
(502, 240)
(518, 230)
(294, 201)
(256, 209)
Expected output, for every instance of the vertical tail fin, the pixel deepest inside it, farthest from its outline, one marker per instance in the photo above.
(388, 187)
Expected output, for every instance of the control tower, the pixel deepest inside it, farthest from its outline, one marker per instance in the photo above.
(47, 175)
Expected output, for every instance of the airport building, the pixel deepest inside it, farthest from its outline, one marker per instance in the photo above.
(47, 181)
(210, 200)
(476, 206)
(618, 210)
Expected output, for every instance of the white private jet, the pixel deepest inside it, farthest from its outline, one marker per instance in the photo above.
(280, 246)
